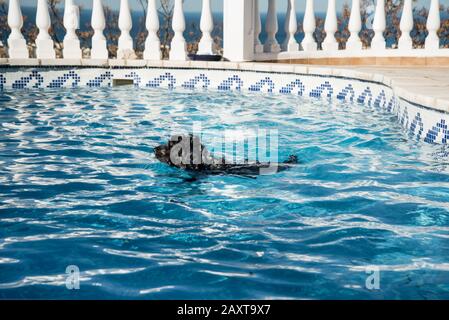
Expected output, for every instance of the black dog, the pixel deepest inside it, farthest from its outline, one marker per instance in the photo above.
(187, 152)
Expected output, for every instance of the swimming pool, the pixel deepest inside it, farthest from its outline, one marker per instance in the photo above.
(80, 186)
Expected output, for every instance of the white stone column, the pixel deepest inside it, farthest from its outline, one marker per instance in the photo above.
(125, 42)
(406, 26)
(291, 25)
(355, 25)
(152, 43)
(44, 43)
(331, 27)
(271, 27)
(16, 41)
(71, 42)
(98, 22)
(309, 25)
(178, 48)
(433, 24)
(238, 29)
(207, 26)
(379, 25)
(286, 26)
(258, 47)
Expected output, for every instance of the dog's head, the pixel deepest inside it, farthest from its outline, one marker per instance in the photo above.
(182, 151)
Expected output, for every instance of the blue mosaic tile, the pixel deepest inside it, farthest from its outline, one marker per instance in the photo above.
(440, 127)
(136, 78)
(228, 83)
(381, 101)
(97, 81)
(61, 81)
(391, 103)
(24, 81)
(292, 85)
(366, 97)
(347, 91)
(257, 87)
(403, 120)
(156, 82)
(326, 86)
(417, 123)
(2, 81)
(191, 84)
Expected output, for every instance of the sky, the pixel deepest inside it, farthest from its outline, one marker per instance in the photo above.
(195, 5)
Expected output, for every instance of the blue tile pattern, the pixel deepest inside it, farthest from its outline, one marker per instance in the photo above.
(366, 97)
(292, 85)
(440, 127)
(192, 83)
(62, 80)
(98, 81)
(317, 92)
(24, 81)
(136, 78)
(229, 82)
(380, 102)
(2, 81)
(156, 82)
(417, 123)
(425, 124)
(257, 87)
(348, 90)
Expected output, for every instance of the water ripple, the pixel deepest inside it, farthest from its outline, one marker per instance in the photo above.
(79, 185)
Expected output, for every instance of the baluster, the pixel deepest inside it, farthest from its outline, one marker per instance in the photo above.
(125, 42)
(44, 43)
(406, 25)
(291, 25)
(355, 25)
(379, 24)
(271, 27)
(152, 43)
(286, 26)
(308, 43)
(258, 47)
(330, 26)
(16, 41)
(98, 22)
(207, 26)
(71, 42)
(433, 24)
(178, 50)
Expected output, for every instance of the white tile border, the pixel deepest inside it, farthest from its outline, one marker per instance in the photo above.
(438, 104)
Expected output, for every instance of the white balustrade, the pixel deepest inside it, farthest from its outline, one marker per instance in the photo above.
(258, 47)
(44, 43)
(379, 25)
(433, 24)
(206, 44)
(406, 25)
(72, 49)
(309, 25)
(286, 26)
(242, 27)
(331, 27)
(152, 43)
(98, 22)
(125, 48)
(178, 50)
(271, 27)
(354, 26)
(290, 44)
(16, 41)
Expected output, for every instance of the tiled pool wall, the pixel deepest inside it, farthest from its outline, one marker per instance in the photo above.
(422, 122)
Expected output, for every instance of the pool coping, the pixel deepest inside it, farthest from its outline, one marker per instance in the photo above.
(421, 100)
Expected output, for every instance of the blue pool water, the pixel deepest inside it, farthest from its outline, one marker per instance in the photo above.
(79, 185)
